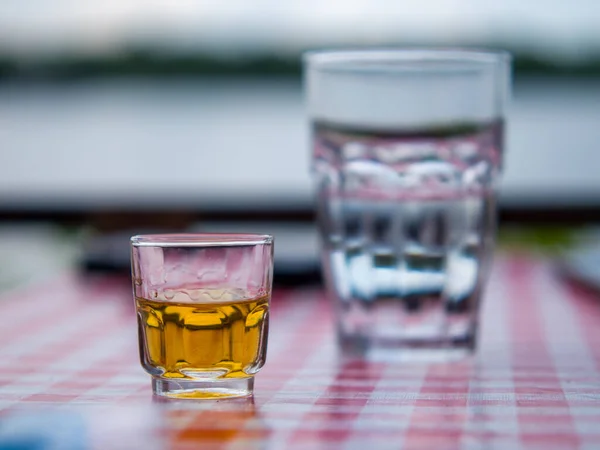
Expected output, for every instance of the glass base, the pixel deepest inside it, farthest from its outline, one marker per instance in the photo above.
(193, 389)
(388, 350)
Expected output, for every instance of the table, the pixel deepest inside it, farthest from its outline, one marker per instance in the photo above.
(70, 377)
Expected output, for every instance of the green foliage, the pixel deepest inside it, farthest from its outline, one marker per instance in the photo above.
(155, 64)
(547, 239)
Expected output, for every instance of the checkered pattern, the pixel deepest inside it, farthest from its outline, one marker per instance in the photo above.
(69, 374)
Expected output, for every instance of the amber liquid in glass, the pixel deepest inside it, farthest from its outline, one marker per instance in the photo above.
(205, 339)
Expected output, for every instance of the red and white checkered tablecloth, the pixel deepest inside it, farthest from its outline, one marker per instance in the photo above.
(70, 377)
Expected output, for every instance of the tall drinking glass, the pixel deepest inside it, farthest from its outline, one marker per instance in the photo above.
(407, 151)
(202, 304)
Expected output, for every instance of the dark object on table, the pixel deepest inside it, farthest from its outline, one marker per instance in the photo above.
(296, 249)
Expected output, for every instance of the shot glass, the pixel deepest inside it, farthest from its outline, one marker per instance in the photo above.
(407, 147)
(202, 303)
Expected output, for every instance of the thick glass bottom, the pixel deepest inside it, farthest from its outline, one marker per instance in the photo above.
(392, 350)
(208, 390)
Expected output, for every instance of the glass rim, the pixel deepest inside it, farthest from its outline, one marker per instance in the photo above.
(404, 59)
(200, 240)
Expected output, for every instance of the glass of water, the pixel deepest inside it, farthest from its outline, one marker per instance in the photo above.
(407, 152)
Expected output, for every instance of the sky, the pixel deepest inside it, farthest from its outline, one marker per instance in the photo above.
(566, 28)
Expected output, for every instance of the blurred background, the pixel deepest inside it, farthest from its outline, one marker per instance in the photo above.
(124, 116)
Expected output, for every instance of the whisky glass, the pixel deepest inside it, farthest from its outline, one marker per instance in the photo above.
(202, 303)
